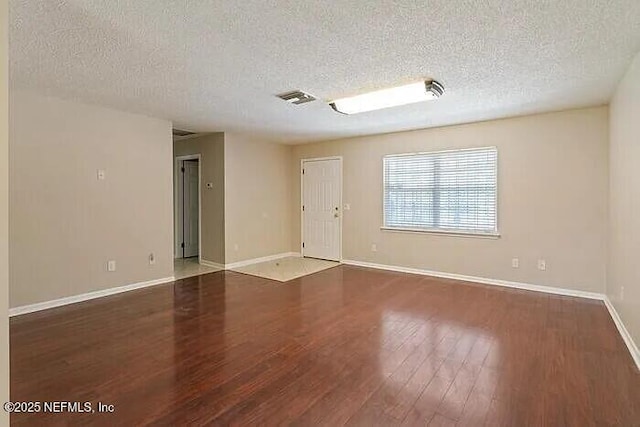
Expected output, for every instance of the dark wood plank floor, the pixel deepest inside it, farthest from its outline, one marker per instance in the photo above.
(344, 346)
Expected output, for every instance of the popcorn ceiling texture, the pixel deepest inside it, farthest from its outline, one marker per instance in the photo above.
(216, 65)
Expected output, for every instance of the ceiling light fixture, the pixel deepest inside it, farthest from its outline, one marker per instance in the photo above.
(392, 97)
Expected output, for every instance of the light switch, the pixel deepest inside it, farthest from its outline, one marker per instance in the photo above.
(111, 266)
(101, 174)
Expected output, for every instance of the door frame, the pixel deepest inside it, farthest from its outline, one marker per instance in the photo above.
(177, 192)
(340, 185)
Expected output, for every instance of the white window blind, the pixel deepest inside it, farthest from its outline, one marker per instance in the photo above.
(442, 191)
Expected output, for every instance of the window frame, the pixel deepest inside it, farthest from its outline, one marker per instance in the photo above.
(443, 231)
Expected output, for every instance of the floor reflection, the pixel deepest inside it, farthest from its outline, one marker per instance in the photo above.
(431, 365)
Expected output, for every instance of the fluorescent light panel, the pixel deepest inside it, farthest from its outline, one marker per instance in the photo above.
(392, 97)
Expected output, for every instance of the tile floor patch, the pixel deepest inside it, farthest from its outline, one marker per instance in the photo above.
(286, 269)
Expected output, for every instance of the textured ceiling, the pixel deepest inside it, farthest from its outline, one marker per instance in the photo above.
(216, 65)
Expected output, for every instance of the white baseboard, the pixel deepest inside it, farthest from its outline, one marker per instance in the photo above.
(633, 349)
(212, 264)
(483, 280)
(261, 259)
(16, 311)
(626, 336)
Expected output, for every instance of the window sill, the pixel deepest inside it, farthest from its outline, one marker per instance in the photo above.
(444, 232)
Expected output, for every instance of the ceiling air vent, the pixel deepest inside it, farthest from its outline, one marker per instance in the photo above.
(178, 132)
(296, 97)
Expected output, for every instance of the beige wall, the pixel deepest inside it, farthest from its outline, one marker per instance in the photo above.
(552, 200)
(65, 223)
(4, 216)
(623, 284)
(257, 198)
(211, 149)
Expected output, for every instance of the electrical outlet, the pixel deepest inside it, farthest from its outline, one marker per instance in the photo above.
(542, 264)
(515, 262)
(374, 247)
(152, 259)
(111, 265)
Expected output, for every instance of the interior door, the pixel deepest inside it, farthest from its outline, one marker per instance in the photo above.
(321, 210)
(190, 191)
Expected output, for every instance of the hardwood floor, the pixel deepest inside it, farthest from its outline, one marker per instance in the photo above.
(346, 345)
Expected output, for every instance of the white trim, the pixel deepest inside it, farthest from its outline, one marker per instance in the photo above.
(208, 263)
(341, 210)
(178, 159)
(444, 232)
(452, 150)
(261, 259)
(626, 336)
(16, 311)
(483, 280)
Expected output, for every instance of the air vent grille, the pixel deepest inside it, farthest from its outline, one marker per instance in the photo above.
(178, 132)
(296, 97)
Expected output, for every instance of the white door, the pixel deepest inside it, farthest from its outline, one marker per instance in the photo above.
(190, 207)
(321, 210)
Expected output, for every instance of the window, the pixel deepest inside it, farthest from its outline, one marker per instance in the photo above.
(449, 191)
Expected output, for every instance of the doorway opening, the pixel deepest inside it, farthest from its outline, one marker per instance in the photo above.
(187, 209)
